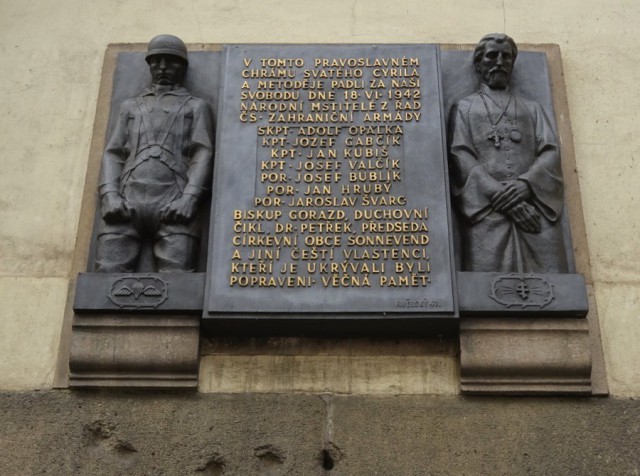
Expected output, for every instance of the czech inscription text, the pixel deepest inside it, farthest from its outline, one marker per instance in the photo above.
(330, 208)
(330, 190)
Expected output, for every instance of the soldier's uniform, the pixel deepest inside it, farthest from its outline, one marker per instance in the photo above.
(161, 147)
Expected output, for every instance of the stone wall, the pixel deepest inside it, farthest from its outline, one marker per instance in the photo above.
(105, 433)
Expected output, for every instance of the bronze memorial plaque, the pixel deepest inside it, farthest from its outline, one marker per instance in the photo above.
(330, 192)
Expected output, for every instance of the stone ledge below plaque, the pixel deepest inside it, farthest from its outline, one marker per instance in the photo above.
(525, 356)
(334, 325)
(126, 350)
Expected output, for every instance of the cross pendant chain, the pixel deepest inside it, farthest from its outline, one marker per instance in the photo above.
(496, 137)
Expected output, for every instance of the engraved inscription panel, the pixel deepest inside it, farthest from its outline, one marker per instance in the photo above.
(330, 188)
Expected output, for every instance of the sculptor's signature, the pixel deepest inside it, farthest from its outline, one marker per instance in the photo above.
(418, 304)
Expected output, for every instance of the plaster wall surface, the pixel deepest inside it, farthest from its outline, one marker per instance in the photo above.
(51, 57)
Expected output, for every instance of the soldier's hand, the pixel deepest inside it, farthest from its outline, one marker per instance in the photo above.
(181, 210)
(114, 208)
(526, 217)
(513, 193)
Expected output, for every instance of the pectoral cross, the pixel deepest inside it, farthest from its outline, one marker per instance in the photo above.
(496, 137)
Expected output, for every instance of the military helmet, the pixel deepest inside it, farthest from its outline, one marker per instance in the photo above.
(167, 45)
